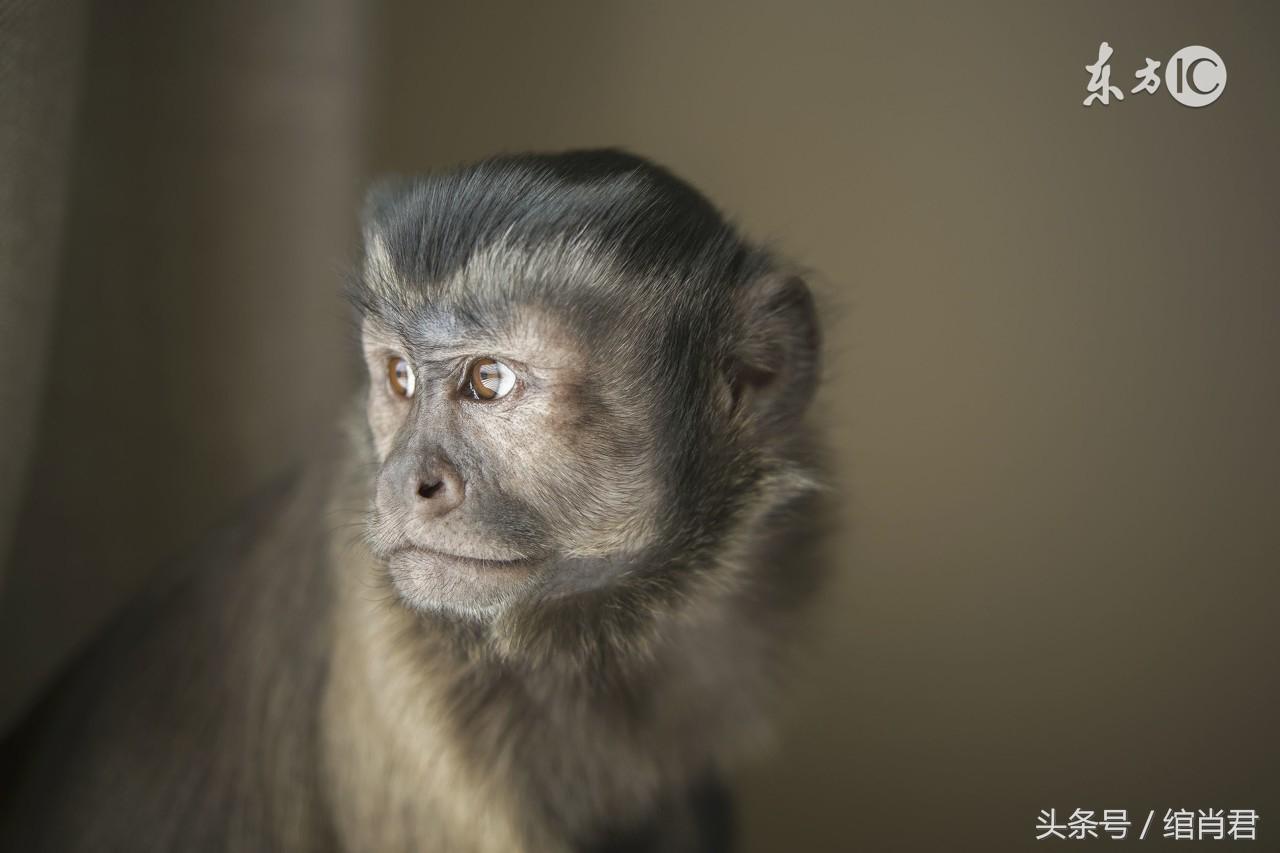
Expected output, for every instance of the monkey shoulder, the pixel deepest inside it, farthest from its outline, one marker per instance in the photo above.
(191, 723)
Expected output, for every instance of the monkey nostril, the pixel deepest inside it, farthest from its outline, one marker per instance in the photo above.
(434, 489)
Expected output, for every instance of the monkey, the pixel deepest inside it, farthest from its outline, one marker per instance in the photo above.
(544, 592)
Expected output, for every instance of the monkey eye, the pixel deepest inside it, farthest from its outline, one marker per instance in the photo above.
(400, 377)
(488, 379)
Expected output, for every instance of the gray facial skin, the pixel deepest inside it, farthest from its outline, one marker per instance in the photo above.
(543, 600)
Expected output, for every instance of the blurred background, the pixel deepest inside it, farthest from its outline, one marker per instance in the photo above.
(1053, 378)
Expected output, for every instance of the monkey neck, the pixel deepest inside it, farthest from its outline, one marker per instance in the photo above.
(436, 736)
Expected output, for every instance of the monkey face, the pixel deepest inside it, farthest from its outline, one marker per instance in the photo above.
(504, 457)
(580, 377)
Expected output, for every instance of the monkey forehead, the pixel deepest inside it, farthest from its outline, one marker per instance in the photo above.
(510, 286)
(466, 314)
(504, 269)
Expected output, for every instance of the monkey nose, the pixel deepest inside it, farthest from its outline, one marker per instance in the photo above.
(438, 488)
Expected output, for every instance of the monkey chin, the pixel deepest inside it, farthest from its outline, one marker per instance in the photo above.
(435, 582)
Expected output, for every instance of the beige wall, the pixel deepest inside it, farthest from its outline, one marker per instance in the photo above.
(1052, 390)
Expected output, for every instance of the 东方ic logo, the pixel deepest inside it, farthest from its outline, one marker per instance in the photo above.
(1194, 76)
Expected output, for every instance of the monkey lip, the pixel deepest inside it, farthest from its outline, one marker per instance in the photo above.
(413, 554)
(431, 581)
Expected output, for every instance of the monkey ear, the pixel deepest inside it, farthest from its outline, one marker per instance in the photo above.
(774, 368)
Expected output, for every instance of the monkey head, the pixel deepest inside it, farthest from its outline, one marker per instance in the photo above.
(581, 381)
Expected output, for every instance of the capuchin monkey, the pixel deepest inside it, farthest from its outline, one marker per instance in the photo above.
(541, 603)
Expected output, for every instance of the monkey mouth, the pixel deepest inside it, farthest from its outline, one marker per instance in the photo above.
(402, 548)
(477, 562)
(431, 580)
(413, 557)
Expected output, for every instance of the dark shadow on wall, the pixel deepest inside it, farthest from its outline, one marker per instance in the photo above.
(199, 344)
